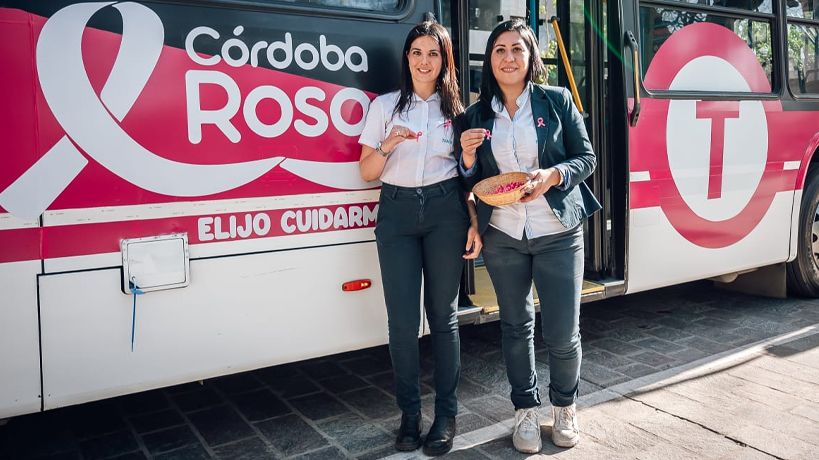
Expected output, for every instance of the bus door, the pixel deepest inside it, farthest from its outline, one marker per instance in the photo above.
(582, 31)
(579, 22)
(711, 176)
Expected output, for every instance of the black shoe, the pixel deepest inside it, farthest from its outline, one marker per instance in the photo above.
(440, 437)
(409, 434)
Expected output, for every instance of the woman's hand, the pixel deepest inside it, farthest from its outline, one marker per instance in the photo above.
(539, 183)
(471, 139)
(474, 244)
(397, 135)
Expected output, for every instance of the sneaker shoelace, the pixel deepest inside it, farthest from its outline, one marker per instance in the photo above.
(528, 421)
(565, 418)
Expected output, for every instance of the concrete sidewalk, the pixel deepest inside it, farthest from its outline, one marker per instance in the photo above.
(758, 401)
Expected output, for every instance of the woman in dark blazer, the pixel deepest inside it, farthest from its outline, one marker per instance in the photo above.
(519, 125)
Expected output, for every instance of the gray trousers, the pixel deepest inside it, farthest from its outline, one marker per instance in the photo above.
(423, 230)
(555, 264)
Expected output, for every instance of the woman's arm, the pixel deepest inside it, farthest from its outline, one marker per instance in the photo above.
(372, 161)
(370, 164)
(474, 244)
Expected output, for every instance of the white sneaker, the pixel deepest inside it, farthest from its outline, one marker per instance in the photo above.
(565, 431)
(526, 438)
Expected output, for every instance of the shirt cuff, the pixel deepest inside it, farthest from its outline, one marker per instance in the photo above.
(565, 175)
(467, 172)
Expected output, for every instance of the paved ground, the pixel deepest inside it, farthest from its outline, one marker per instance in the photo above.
(684, 372)
(758, 402)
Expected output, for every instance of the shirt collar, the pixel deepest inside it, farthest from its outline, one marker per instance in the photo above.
(417, 98)
(521, 100)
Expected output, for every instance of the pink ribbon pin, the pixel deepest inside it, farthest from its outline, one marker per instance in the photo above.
(540, 122)
(488, 134)
(418, 135)
(447, 123)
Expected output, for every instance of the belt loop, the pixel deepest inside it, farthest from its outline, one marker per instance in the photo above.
(394, 192)
(442, 187)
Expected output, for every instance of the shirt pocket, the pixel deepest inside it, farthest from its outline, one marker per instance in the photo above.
(441, 136)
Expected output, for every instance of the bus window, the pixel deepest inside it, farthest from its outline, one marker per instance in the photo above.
(484, 15)
(803, 58)
(760, 6)
(573, 32)
(381, 6)
(546, 39)
(444, 16)
(803, 54)
(657, 23)
(803, 9)
(577, 46)
(574, 38)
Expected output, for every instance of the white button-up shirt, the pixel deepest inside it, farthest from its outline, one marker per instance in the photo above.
(514, 145)
(414, 162)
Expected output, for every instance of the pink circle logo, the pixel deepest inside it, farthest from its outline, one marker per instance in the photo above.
(715, 181)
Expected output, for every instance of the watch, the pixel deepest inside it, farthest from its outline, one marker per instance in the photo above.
(381, 152)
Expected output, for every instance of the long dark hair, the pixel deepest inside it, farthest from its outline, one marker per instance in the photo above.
(447, 83)
(535, 73)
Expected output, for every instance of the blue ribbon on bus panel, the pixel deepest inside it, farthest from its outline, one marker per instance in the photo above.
(135, 290)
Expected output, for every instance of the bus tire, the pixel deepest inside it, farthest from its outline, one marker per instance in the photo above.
(803, 271)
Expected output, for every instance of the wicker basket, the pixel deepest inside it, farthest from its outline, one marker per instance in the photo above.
(485, 188)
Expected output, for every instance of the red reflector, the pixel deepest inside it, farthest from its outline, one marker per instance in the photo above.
(356, 285)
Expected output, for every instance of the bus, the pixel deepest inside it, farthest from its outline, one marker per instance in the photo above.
(180, 197)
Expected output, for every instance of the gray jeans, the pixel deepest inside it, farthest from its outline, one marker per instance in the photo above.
(555, 264)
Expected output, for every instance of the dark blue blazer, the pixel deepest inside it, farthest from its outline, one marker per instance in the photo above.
(561, 140)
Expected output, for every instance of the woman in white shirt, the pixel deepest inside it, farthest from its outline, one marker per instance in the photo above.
(534, 129)
(423, 226)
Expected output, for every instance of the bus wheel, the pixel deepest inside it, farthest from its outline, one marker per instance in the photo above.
(803, 272)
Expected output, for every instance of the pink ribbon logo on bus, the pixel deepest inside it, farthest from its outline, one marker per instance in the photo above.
(92, 124)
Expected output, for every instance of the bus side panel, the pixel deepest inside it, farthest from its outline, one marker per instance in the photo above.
(150, 118)
(677, 230)
(240, 313)
(19, 341)
(19, 238)
(712, 179)
(660, 256)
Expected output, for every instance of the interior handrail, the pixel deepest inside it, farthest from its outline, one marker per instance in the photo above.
(566, 64)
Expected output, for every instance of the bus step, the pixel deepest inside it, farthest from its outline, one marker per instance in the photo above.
(469, 315)
(485, 300)
(590, 288)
